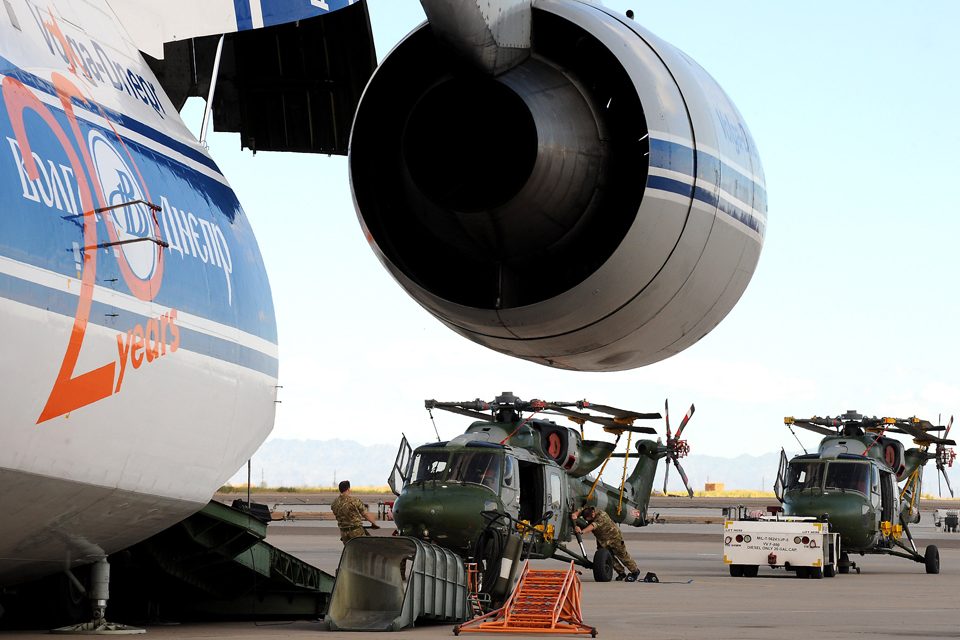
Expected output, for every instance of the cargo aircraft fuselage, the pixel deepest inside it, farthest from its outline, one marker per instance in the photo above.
(138, 345)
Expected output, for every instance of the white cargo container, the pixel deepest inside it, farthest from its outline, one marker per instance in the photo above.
(795, 544)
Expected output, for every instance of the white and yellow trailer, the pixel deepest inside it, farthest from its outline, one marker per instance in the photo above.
(794, 544)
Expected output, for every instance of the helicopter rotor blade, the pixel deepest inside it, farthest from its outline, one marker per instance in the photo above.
(920, 435)
(617, 428)
(666, 477)
(949, 425)
(685, 420)
(945, 477)
(622, 414)
(609, 424)
(811, 426)
(683, 476)
(666, 414)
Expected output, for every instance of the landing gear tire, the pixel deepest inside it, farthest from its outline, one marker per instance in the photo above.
(844, 564)
(603, 565)
(803, 572)
(751, 571)
(932, 559)
(736, 571)
(815, 572)
(830, 571)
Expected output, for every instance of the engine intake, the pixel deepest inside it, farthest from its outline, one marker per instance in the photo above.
(551, 212)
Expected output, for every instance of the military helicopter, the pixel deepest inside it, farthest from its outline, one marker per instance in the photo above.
(510, 481)
(865, 483)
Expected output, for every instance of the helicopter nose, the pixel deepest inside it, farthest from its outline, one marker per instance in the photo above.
(425, 511)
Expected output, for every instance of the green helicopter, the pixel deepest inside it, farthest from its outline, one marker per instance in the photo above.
(506, 487)
(865, 483)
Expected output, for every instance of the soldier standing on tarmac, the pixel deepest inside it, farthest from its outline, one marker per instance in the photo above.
(351, 513)
(608, 536)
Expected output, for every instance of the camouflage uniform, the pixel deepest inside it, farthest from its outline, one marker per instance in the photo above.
(349, 512)
(608, 536)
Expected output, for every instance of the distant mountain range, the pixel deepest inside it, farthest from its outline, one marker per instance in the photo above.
(313, 463)
(318, 463)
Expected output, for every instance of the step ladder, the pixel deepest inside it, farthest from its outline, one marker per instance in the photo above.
(542, 602)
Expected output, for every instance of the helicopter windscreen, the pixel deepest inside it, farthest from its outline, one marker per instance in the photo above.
(429, 465)
(805, 475)
(848, 476)
(476, 468)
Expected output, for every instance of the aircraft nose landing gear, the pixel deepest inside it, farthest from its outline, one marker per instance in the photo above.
(98, 595)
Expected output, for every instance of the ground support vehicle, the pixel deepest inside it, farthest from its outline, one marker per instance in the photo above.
(803, 545)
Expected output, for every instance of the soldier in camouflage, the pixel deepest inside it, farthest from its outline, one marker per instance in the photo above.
(351, 513)
(608, 536)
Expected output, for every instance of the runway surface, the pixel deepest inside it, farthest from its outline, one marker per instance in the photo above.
(890, 598)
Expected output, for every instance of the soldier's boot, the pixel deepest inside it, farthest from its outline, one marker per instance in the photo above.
(621, 576)
(632, 577)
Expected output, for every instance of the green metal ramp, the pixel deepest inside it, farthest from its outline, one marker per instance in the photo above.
(386, 584)
(216, 564)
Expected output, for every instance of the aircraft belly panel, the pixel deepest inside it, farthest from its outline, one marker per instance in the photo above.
(51, 524)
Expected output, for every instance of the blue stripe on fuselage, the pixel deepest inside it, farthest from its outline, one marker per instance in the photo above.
(121, 320)
(30, 80)
(244, 15)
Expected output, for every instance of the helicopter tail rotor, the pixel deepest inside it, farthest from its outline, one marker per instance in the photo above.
(945, 458)
(683, 476)
(666, 477)
(676, 449)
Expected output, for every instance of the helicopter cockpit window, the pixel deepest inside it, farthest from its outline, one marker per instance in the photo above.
(805, 475)
(476, 468)
(509, 469)
(848, 476)
(429, 465)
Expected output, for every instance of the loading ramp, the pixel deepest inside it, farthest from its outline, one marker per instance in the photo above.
(216, 564)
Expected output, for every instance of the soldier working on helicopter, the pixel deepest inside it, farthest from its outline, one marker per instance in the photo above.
(608, 536)
(350, 513)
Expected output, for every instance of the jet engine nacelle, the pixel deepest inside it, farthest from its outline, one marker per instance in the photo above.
(599, 206)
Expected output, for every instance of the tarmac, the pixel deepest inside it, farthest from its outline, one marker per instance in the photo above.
(696, 597)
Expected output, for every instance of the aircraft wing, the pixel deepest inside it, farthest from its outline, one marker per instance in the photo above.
(150, 24)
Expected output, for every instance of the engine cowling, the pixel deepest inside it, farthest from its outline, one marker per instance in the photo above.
(599, 206)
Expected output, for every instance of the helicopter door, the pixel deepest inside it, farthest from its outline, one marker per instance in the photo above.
(531, 491)
(510, 491)
(781, 482)
(555, 498)
(888, 496)
(401, 468)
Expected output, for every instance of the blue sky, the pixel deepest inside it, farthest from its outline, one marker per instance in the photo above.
(853, 108)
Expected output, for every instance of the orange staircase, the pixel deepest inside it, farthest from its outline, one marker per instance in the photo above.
(542, 602)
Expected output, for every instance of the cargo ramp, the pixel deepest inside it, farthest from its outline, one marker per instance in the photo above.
(216, 564)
